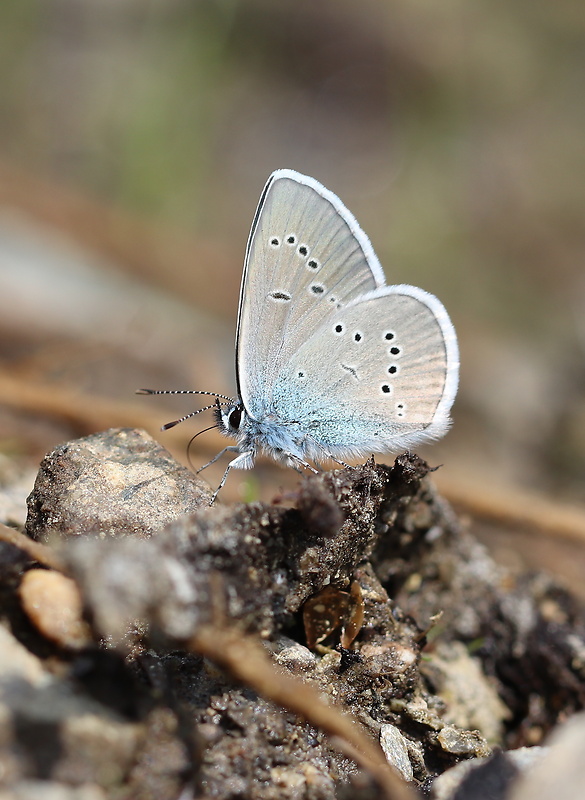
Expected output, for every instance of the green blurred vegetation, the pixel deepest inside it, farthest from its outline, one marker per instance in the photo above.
(454, 131)
(462, 122)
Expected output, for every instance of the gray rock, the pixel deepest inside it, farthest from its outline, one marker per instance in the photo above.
(461, 742)
(120, 482)
(471, 698)
(560, 773)
(395, 749)
(487, 777)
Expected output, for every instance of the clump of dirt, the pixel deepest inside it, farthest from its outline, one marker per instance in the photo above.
(369, 597)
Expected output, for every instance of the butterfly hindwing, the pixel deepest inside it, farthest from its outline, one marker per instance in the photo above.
(381, 374)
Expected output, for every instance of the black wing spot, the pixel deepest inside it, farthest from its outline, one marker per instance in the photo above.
(283, 297)
(357, 336)
(386, 388)
(291, 238)
(303, 250)
(395, 351)
(393, 369)
(339, 328)
(275, 241)
(389, 335)
(317, 288)
(313, 264)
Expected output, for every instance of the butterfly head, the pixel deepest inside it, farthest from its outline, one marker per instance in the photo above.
(229, 419)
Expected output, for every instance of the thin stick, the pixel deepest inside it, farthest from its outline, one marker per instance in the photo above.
(89, 412)
(515, 508)
(247, 661)
(37, 551)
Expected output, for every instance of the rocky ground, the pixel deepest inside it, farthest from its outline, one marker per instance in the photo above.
(350, 640)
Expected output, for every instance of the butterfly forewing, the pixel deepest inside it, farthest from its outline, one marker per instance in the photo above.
(306, 260)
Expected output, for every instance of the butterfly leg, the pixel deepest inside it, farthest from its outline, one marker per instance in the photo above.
(328, 455)
(243, 461)
(315, 470)
(221, 484)
(337, 461)
(231, 449)
(294, 461)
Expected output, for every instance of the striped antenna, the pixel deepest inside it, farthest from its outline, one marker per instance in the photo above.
(192, 414)
(217, 404)
(184, 391)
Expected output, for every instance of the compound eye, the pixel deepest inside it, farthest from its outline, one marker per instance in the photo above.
(235, 417)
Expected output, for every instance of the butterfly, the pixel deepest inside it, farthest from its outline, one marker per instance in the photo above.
(330, 362)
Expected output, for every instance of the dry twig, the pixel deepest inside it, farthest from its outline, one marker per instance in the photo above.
(249, 663)
(515, 508)
(38, 552)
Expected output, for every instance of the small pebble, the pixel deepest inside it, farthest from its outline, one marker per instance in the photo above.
(53, 604)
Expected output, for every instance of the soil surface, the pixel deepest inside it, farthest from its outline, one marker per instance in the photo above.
(383, 633)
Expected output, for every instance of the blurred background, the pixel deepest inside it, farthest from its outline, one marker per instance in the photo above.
(136, 136)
